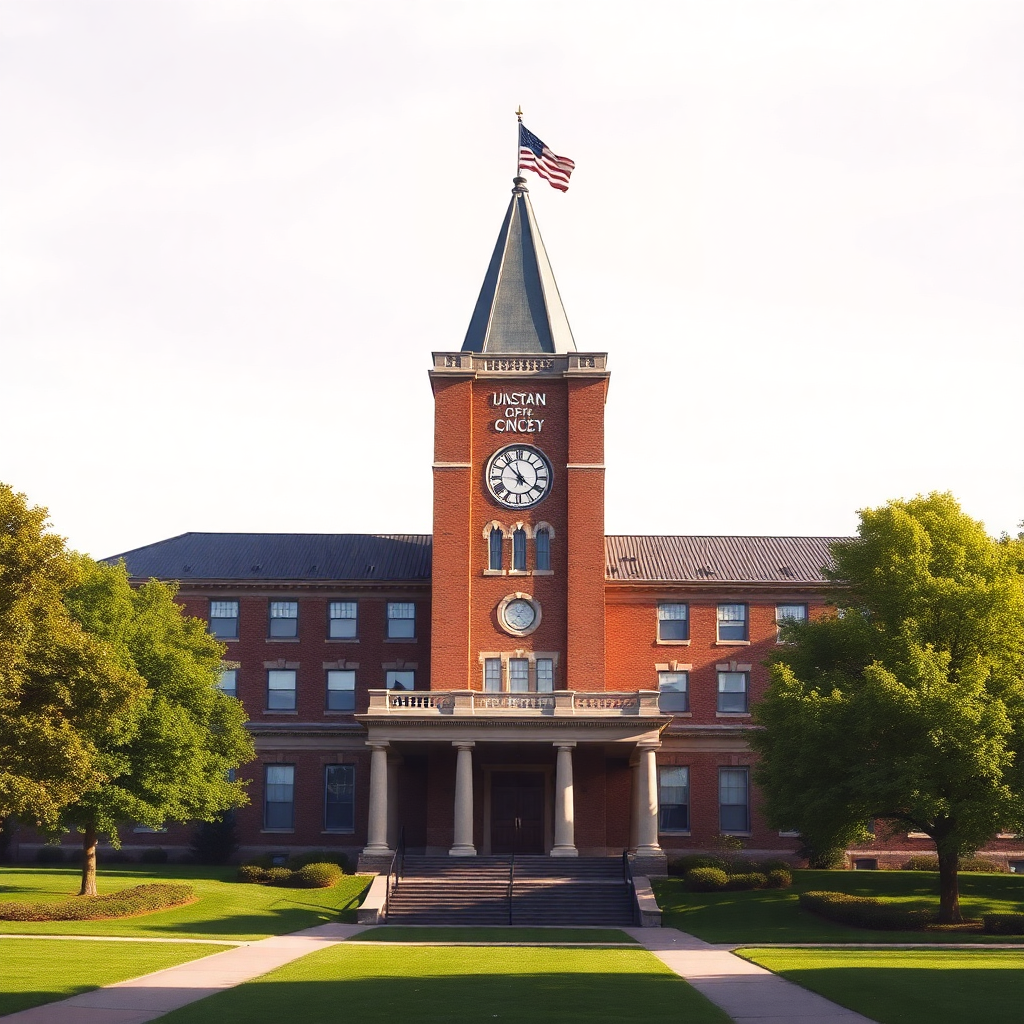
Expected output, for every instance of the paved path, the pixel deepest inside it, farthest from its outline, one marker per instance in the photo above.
(146, 998)
(748, 993)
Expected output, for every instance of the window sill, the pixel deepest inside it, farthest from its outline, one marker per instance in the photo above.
(225, 639)
(400, 640)
(278, 711)
(543, 572)
(729, 832)
(338, 832)
(336, 714)
(519, 572)
(789, 835)
(277, 831)
(342, 640)
(731, 643)
(732, 714)
(494, 572)
(686, 833)
(673, 643)
(282, 639)
(679, 714)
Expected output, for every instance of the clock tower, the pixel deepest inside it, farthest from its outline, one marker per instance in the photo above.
(518, 541)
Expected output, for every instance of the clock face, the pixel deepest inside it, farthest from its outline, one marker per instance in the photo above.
(518, 476)
(519, 614)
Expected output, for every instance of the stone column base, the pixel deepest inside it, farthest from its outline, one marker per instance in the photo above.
(462, 851)
(564, 851)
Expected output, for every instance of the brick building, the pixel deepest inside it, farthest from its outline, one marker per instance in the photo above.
(517, 680)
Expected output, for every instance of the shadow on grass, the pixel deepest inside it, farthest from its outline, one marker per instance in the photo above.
(916, 995)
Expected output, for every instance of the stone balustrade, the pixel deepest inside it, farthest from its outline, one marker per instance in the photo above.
(474, 703)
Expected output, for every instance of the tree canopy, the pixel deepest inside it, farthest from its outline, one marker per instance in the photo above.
(907, 702)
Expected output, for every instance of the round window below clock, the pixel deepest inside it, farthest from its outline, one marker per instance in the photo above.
(519, 614)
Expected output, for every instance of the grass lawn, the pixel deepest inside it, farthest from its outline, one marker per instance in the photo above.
(38, 971)
(411, 933)
(900, 986)
(773, 915)
(453, 985)
(224, 909)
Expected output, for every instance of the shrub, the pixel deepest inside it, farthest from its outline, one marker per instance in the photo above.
(924, 862)
(252, 873)
(50, 855)
(279, 876)
(774, 864)
(747, 880)
(317, 876)
(1003, 924)
(780, 878)
(865, 911)
(682, 865)
(742, 866)
(140, 899)
(300, 860)
(705, 879)
(154, 855)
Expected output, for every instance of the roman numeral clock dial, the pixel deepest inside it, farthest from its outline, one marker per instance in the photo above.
(518, 476)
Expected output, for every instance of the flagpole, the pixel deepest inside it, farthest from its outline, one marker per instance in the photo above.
(519, 118)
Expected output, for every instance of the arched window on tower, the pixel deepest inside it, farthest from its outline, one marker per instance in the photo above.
(543, 548)
(519, 550)
(494, 548)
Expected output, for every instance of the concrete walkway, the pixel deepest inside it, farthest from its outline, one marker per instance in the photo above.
(146, 998)
(748, 993)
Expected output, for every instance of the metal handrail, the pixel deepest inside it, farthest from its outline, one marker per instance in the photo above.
(511, 882)
(627, 877)
(397, 869)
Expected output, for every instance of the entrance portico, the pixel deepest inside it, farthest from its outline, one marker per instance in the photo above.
(515, 782)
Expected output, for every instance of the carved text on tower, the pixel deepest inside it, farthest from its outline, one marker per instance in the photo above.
(517, 411)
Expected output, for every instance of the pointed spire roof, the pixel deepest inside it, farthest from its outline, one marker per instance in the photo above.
(519, 309)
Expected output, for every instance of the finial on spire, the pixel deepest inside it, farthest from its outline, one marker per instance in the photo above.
(519, 113)
(519, 183)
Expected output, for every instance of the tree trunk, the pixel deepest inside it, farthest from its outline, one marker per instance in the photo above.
(949, 888)
(88, 861)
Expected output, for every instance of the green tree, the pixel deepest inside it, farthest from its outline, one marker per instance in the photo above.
(907, 704)
(64, 695)
(176, 763)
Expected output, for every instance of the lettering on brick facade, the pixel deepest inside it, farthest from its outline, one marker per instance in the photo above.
(519, 364)
(518, 411)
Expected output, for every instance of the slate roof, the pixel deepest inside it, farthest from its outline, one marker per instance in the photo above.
(283, 556)
(363, 557)
(519, 309)
(718, 559)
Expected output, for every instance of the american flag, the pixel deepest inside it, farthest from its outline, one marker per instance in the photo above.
(535, 156)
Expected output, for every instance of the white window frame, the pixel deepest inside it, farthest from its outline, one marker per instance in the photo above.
(735, 770)
(280, 676)
(344, 680)
(284, 771)
(731, 623)
(283, 612)
(745, 691)
(211, 619)
(396, 632)
(668, 699)
(663, 771)
(343, 630)
(669, 612)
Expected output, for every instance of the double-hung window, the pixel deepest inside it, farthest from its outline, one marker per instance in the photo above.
(401, 620)
(674, 690)
(732, 692)
(401, 679)
(495, 553)
(492, 675)
(279, 796)
(339, 797)
(789, 613)
(284, 618)
(673, 622)
(542, 549)
(224, 619)
(732, 622)
(343, 621)
(228, 682)
(545, 675)
(281, 689)
(733, 800)
(673, 799)
(518, 675)
(341, 690)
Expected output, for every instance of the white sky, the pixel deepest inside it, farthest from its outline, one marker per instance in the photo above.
(234, 232)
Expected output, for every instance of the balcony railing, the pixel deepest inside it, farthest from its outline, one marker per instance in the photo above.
(558, 704)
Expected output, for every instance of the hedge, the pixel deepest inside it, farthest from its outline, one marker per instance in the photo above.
(865, 911)
(750, 880)
(705, 879)
(300, 860)
(309, 876)
(1003, 924)
(926, 863)
(140, 899)
(780, 878)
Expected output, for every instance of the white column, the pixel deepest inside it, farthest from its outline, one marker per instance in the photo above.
(647, 804)
(377, 826)
(565, 838)
(463, 845)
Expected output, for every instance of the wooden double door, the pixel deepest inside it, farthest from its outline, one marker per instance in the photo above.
(517, 812)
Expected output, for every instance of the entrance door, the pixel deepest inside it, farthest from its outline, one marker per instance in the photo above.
(517, 812)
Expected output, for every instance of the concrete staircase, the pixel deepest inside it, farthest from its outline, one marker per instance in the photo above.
(583, 891)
